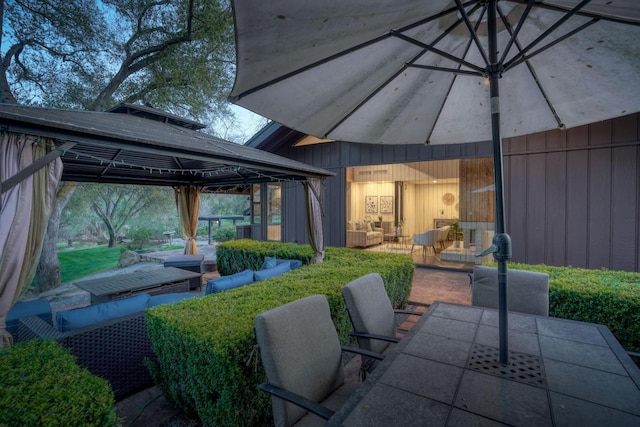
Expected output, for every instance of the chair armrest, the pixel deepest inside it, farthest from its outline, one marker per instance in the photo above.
(374, 337)
(363, 352)
(296, 399)
(34, 327)
(412, 313)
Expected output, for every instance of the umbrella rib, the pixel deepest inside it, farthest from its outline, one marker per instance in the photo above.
(531, 70)
(438, 52)
(514, 36)
(472, 32)
(519, 59)
(337, 55)
(550, 30)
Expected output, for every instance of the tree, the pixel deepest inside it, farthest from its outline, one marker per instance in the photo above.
(116, 204)
(177, 55)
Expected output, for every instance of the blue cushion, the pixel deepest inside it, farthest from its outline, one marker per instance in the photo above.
(269, 262)
(293, 263)
(229, 282)
(184, 261)
(38, 307)
(70, 320)
(169, 298)
(272, 272)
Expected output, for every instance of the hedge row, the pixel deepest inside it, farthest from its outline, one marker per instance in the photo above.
(610, 298)
(207, 361)
(41, 385)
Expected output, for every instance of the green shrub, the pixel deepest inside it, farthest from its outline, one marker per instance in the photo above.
(141, 235)
(43, 386)
(610, 298)
(224, 234)
(205, 346)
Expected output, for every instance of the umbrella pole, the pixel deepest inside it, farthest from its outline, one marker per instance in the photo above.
(501, 240)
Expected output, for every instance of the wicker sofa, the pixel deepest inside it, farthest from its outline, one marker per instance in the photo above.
(114, 349)
(362, 234)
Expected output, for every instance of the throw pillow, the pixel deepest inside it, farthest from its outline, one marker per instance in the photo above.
(272, 272)
(269, 262)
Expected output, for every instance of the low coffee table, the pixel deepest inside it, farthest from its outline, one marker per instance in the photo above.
(154, 282)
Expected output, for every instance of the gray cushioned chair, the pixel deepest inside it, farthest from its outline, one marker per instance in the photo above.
(372, 316)
(527, 291)
(302, 359)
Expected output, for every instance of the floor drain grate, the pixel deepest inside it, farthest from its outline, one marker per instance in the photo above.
(522, 367)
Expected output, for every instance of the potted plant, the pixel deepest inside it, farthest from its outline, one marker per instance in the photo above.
(457, 233)
(399, 225)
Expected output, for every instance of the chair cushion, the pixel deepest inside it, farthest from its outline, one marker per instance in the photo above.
(300, 352)
(229, 282)
(70, 320)
(527, 291)
(269, 262)
(183, 260)
(38, 307)
(169, 298)
(370, 310)
(272, 272)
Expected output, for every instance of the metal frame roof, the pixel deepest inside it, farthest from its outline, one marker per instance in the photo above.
(140, 145)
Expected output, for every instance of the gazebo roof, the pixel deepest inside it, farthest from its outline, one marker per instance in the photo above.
(134, 144)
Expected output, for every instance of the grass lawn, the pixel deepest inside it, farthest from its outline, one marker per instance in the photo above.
(79, 263)
(82, 262)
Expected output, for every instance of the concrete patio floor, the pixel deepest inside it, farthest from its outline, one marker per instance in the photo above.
(150, 408)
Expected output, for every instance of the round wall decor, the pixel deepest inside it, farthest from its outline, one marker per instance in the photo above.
(448, 199)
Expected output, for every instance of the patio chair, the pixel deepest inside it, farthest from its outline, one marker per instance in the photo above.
(372, 316)
(302, 359)
(528, 291)
(428, 239)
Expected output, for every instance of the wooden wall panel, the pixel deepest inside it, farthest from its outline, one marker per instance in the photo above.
(624, 200)
(516, 199)
(556, 212)
(536, 207)
(599, 226)
(577, 208)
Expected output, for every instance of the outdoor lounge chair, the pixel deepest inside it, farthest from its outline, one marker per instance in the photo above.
(372, 316)
(302, 359)
(528, 291)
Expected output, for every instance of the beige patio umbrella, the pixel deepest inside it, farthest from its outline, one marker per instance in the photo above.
(439, 71)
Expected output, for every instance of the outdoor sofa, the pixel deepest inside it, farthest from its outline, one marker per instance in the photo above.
(109, 339)
(271, 267)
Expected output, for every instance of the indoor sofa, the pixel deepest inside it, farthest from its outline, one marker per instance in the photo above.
(362, 234)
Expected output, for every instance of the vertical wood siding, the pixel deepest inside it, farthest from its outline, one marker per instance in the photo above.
(571, 196)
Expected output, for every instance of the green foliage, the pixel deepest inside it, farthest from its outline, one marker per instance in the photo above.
(224, 234)
(205, 345)
(140, 236)
(43, 386)
(610, 298)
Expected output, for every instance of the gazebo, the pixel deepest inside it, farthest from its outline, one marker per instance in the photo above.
(130, 144)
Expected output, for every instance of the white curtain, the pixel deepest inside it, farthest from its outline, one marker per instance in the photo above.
(314, 191)
(188, 204)
(25, 210)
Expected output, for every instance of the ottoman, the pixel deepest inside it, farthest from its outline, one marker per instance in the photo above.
(187, 262)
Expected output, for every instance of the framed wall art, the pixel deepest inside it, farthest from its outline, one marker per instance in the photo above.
(386, 204)
(371, 204)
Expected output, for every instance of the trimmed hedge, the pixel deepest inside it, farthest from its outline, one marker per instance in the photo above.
(41, 385)
(207, 361)
(610, 298)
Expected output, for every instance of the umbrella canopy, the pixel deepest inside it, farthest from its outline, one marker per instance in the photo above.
(439, 71)
(374, 70)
